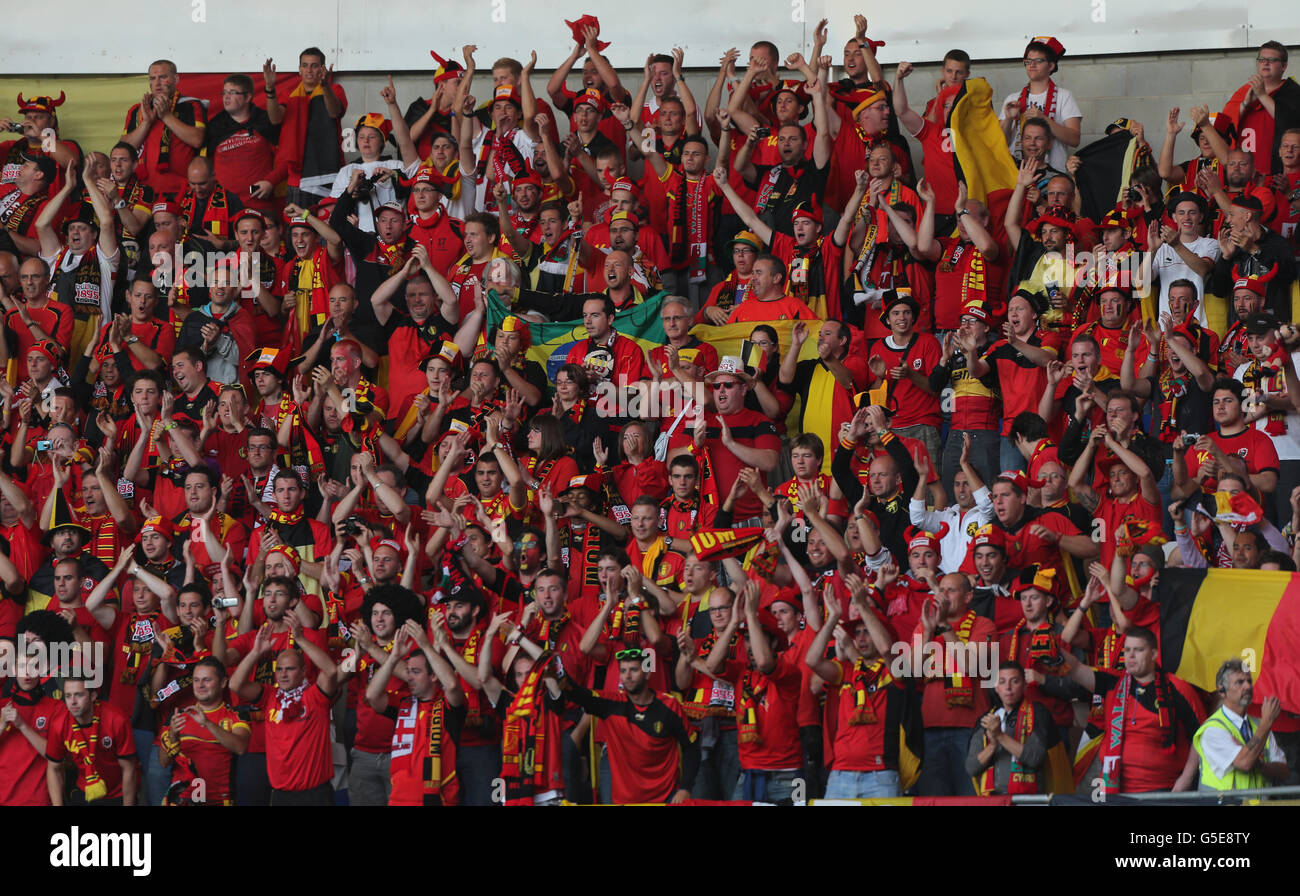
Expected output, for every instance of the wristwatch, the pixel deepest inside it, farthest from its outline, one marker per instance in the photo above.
(119, 205)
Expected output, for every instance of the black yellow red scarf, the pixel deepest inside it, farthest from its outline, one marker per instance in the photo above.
(747, 709)
(867, 679)
(83, 744)
(958, 689)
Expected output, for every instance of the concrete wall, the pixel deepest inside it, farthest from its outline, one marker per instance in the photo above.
(1140, 87)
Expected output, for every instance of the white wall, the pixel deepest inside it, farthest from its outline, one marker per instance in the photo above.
(115, 36)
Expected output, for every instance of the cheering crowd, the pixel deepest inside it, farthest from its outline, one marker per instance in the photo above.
(277, 449)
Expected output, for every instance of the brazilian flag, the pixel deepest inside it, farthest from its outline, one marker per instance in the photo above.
(552, 340)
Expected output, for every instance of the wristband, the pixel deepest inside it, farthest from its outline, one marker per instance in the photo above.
(848, 444)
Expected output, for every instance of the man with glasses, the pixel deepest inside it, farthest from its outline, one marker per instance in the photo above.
(709, 701)
(683, 356)
(1269, 104)
(241, 144)
(1056, 104)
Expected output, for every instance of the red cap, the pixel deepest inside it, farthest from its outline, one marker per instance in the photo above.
(1020, 479)
(591, 97)
(919, 538)
(377, 543)
(989, 536)
(578, 26)
(166, 205)
(161, 526)
(252, 213)
(48, 348)
(593, 481)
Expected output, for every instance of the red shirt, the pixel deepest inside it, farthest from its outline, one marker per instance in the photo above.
(209, 760)
(749, 428)
(22, 768)
(629, 359)
(297, 739)
(167, 175)
(113, 741)
(863, 746)
(776, 708)
(56, 319)
(936, 143)
(650, 477)
(914, 406)
(374, 730)
(757, 312)
(1147, 762)
(1252, 445)
(644, 766)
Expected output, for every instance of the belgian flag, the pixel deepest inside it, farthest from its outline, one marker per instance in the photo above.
(1103, 177)
(1208, 616)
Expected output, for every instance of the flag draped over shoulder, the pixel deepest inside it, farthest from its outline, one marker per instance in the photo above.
(1208, 616)
(979, 147)
(552, 341)
(1103, 176)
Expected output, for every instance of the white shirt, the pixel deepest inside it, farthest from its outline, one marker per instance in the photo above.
(1220, 748)
(382, 192)
(1168, 267)
(1287, 444)
(1067, 107)
(961, 526)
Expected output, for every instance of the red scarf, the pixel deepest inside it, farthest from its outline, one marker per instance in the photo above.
(1022, 780)
(1049, 104)
(958, 689)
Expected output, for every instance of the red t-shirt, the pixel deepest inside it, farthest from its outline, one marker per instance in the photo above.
(1252, 445)
(750, 428)
(776, 710)
(22, 768)
(113, 740)
(863, 746)
(297, 739)
(936, 143)
(757, 312)
(914, 406)
(210, 761)
(644, 768)
(964, 276)
(629, 359)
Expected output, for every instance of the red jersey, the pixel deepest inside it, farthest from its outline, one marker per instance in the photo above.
(766, 713)
(204, 757)
(1114, 514)
(1252, 445)
(93, 749)
(682, 519)
(1151, 756)
(441, 238)
(22, 768)
(862, 708)
(751, 428)
(629, 359)
(643, 743)
(913, 405)
(298, 748)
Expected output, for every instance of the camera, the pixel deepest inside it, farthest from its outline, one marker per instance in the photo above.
(763, 132)
(365, 187)
(353, 526)
(1133, 195)
(225, 603)
(43, 445)
(15, 127)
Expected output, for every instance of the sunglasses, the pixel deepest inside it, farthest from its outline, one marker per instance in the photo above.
(632, 653)
(731, 385)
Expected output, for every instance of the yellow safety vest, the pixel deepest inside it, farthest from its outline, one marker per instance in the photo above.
(1234, 778)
